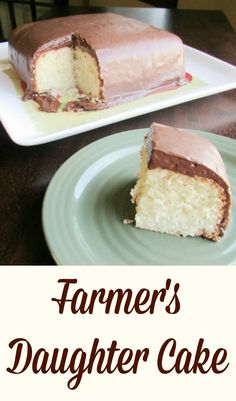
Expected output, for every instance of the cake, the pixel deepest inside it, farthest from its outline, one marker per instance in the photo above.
(94, 60)
(182, 188)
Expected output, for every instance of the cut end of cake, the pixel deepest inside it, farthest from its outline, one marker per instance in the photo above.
(178, 196)
(173, 203)
(65, 70)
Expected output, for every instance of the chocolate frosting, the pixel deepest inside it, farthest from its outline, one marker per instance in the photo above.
(189, 154)
(185, 145)
(134, 58)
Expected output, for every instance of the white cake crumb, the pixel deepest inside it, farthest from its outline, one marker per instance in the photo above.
(128, 221)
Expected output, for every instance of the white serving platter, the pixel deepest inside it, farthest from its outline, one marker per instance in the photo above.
(26, 125)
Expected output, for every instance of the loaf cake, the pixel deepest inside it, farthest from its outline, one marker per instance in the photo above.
(182, 187)
(94, 60)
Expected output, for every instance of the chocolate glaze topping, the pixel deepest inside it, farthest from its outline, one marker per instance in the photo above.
(134, 59)
(189, 154)
(45, 101)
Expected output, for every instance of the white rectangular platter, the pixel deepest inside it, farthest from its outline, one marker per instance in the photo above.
(26, 125)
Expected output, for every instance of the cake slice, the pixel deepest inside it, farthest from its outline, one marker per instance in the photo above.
(94, 60)
(183, 188)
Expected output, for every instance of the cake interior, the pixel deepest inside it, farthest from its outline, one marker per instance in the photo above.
(174, 203)
(86, 73)
(67, 69)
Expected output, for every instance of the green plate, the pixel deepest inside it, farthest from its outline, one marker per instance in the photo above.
(88, 199)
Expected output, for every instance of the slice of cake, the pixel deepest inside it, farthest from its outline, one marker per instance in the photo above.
(182, 187)
(94, 60)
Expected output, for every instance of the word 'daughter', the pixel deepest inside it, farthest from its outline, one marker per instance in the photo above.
(114, 359)
(119, 300)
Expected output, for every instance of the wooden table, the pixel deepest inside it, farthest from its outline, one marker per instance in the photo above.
(26, 171)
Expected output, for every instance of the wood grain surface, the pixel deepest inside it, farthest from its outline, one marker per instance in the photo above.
(25, 172)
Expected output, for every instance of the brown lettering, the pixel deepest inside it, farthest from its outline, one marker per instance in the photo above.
(98, 359)
(185, 361)
(116, 301)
